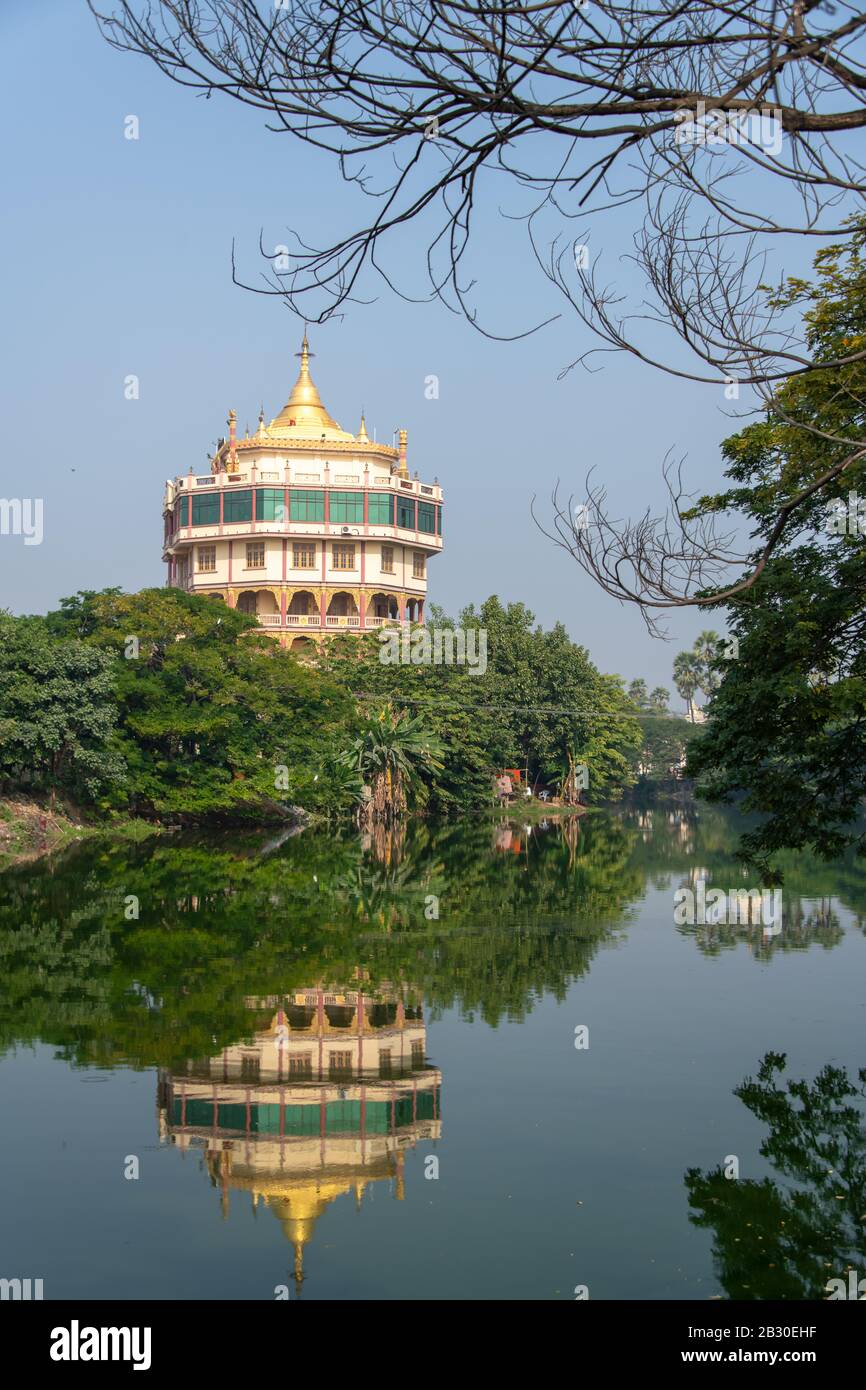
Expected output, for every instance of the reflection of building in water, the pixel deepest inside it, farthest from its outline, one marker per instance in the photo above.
(322, 1101)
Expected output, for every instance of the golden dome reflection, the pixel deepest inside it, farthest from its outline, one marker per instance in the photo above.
(320, 1101)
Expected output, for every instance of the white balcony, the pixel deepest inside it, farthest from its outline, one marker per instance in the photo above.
(352, 620)
(303, 620)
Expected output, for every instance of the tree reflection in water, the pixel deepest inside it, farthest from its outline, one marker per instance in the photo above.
(787, 1237)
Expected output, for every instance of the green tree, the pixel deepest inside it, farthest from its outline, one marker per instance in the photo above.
(687, 678)
(548, 697)
(390, 756)
(213, 718)
(706, 650)
(788, 732)
(539, 696)
(638, 692)
(57, 713)
(665, 739)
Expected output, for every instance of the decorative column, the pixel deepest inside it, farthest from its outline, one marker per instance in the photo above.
(233, 453)
(362, 604)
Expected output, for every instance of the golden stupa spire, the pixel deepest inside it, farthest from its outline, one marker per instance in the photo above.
(362, 437)
(304, 409)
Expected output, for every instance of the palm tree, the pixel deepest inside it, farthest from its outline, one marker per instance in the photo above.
(687, 678)
(659, 698)
(706, 649)
(637, 692)
(389, 756)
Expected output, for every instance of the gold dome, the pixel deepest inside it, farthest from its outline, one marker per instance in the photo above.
(304, 416)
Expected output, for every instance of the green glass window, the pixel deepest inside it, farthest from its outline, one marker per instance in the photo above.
(438, 521)
(238, 506)
(381, 509)
(302, 1119)
(427, 518)
(406, 513)
(181, 512)
(306, 505)
(347, 506)
(270, 504)
(205, 509)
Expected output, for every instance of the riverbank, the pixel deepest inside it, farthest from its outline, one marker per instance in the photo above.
(530, 812)
(32, 826)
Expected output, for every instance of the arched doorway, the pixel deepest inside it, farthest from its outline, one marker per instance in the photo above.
(383, 608)
(342, 611)
(303, 611)
(262, 603)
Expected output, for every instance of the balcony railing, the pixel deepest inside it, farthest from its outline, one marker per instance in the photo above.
(249, 475)
(295, 620)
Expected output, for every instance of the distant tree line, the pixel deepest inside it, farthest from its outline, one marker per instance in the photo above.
(169, 705)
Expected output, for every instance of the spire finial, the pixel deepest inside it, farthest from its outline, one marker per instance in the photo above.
(305, 353)
(303, 410)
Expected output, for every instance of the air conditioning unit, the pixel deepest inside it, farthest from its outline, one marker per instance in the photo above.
(344, 531)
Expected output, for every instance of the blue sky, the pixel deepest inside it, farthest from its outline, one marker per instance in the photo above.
(116, 257)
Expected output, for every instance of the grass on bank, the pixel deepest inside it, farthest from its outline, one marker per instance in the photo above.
(31, 826)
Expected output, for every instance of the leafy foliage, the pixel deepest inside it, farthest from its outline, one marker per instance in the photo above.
(785, 1239)
(171, 705)
(57, 712)
(788, 726)
(209, 707)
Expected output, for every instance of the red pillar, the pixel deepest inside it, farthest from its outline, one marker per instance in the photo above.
(363, 603)
(320, 1022)
(322, 600)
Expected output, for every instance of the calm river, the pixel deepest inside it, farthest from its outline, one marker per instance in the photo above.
(473, 1061)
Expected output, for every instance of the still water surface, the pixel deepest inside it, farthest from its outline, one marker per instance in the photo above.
(328, 1091)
